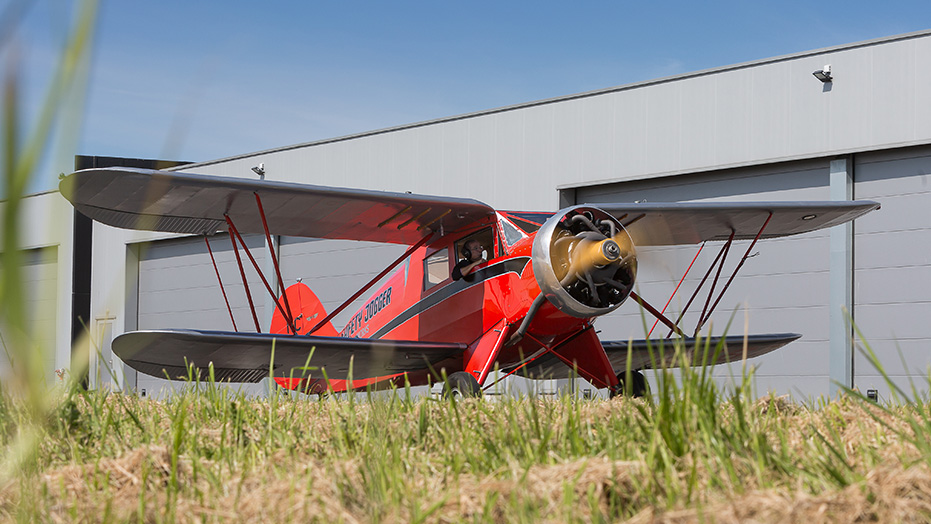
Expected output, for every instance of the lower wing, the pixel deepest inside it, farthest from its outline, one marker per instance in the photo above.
(646, 354)
(247, 357)
(720, 350)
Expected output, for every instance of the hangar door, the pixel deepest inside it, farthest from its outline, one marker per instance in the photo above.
(784, 289)
(177, 288)
(892, 264)
(40, 284)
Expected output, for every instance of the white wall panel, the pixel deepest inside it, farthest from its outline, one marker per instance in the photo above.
(664, 120)
(697, 138)
(759, 112)
(893, 268)
(568, 130)
(630, 122)
(39, 276)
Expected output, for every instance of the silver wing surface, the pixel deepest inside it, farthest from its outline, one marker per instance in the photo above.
(199, 204)
(731, 350)
(247, 357)
(657, 224)
(648, 354)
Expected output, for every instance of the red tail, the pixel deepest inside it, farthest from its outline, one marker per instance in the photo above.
(307, 311)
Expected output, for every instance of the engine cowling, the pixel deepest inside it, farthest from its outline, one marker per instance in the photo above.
(584, 261)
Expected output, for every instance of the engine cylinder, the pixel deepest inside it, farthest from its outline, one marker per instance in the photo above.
(584, 261)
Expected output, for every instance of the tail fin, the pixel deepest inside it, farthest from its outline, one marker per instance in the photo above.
(307, 311)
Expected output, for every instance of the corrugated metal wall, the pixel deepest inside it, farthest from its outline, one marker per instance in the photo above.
(39, 279)
(892, 263)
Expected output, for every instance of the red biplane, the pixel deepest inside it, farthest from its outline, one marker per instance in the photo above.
(527, 307)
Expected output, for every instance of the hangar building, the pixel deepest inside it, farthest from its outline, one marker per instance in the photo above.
(764, 130)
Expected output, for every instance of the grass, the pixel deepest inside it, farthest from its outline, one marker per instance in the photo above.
(691, 453)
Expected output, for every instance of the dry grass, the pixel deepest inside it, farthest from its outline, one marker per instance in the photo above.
(209, 457)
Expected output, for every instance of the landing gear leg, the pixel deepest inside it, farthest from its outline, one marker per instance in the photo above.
(638, 385)
(461, 385)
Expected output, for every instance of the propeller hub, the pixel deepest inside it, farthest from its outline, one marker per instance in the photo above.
(610, 250)
(584, 261)
(602, 252)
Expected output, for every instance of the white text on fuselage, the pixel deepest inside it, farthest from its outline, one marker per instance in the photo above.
(358, 325)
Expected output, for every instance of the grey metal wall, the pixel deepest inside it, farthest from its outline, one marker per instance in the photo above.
(892, 263)
(39, 278)
(783, 289)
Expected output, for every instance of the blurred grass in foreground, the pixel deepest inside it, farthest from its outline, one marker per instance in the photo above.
(28, 406)
(693, 452)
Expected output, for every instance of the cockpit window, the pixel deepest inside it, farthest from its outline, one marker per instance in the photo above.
(484, 237)
(511, 233)
(436, 268)
(528, 227)
(528, 221)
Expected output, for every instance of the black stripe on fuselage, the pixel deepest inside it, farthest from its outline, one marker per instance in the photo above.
(511, 265)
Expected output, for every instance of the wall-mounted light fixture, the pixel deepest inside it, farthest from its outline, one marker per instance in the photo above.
(824, 74)
(260, 170)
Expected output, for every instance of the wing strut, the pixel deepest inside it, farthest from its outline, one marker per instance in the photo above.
(271, 251)
(286, 316)
(242, 272)
(714, 283)
(653, 311)
(724, 248)
(371, 283)
(220, 281)
(734, 274)
(677, 287)
(722, 256)
(544, 349)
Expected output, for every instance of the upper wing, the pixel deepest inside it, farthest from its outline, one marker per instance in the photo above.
(198, 204)
(246, 357)
(693, 222)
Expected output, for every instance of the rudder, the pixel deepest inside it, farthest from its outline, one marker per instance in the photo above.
(307, 310)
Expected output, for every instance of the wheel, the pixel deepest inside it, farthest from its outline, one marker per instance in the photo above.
(638, 387)
(461, 385)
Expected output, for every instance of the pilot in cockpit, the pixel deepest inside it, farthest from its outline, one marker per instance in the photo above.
(473, 253)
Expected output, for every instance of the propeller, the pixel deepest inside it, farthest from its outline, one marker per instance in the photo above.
(584, 261)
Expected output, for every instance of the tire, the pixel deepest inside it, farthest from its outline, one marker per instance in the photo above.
(638, 387)
(461, 385)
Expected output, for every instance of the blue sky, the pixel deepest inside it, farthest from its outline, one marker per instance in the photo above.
(204, 80)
